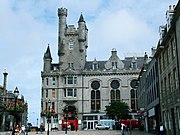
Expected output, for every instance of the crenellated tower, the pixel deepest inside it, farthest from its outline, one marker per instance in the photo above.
(62, 14)
(72, 43)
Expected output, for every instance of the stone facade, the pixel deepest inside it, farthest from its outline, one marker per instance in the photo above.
(162, 102)
(82, 88)
(168, 67)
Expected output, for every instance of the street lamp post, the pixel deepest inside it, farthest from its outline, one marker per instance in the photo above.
(37, 127)
(48, 116)
(16, 93)
(66, 119)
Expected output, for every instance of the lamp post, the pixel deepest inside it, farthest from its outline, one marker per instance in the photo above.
(16, 93)
(66, 118)
(48, 116)
(37, 127)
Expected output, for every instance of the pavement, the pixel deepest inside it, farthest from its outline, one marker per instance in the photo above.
(92, 132)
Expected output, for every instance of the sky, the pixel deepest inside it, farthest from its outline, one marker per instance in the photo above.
(28, 26)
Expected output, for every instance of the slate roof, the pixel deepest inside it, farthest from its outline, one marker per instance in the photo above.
(127, 63)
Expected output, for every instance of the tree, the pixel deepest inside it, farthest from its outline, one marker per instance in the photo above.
(117, 110)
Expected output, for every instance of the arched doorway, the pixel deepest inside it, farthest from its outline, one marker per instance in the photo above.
(70, 118)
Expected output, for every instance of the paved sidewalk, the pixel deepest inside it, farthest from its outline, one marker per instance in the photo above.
(92, 132)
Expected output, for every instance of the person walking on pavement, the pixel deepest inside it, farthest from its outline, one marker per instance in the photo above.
(162, 129)
(123, 129)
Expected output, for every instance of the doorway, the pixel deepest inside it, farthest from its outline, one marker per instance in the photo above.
(90, 124)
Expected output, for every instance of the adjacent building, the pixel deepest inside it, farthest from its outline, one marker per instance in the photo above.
(79, 89)
(168, 66)
(7, 112)
(148, 95)
(160, 90)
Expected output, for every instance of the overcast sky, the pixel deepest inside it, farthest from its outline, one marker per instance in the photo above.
(28, 26)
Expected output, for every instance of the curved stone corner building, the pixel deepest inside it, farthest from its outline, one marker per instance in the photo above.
(79, 89)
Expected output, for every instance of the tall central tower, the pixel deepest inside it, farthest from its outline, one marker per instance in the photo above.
(72, 42)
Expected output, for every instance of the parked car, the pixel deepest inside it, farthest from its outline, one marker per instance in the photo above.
(101, 126)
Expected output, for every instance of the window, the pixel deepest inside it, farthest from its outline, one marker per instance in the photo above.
(173, 51)
(167, 55)
(53, 93)
(115, 95)
(132, 104)
(134, 65)
(132, 93)
(71, 45)
(133, 83)
(53, 105)
(70, 80)
(75, 80)
(163, 58)
(175, 82)
(46, 105)
(53, 81)
(64, 92)
(41, 105)
(46, 93)
(115, 84)
(114, 65)
(70, 92)
(70, 65)
(169, 82)
(178, 116)
(112, 95)
(95, 66)
(160, 66)
(95, 100)
(47, 81)
(75, 92)
(95, 85)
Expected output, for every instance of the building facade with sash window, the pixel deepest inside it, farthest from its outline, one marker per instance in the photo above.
(80, 89)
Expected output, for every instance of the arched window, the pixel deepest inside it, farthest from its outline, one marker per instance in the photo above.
(133, 83)
(112, 95)
(95, 96)
(132, 93)
(115, 95)
(95, 100)
(133, 99)
(115, 92)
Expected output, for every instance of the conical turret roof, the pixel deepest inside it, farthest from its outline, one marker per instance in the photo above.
(81, 18)
(47, 54)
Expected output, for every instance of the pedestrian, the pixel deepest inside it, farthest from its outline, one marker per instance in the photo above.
(17, 129)
(41, 128)
(123, 129)
(162, 129)
(23, 129)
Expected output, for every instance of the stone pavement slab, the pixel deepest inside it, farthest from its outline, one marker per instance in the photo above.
(91, 132)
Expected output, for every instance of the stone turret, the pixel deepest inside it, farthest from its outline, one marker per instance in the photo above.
(62, 14)
(47, 60)
(82, 33)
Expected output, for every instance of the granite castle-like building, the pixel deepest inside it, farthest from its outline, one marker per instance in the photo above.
(80, 89)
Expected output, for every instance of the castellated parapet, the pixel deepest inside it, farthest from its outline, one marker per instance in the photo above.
(62, 11)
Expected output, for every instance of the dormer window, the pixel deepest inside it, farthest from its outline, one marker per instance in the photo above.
(95, 66)
(114, 64)
(70, 65)
(134, 65)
